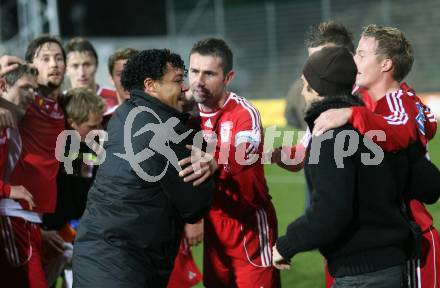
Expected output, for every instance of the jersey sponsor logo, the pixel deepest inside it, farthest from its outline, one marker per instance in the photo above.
(226, 131)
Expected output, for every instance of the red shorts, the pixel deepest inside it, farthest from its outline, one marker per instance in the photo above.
(239, 253)
(20, 254)
(430, 260)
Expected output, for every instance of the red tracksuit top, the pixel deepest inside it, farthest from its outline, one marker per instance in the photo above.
(240, 188)
(405, 119)
(401, 115)
(37, 166)
(5, 189)
(110, 97)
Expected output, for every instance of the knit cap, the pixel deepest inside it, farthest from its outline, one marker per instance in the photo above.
(331, 71)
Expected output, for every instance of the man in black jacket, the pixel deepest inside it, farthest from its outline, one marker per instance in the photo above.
(355, 217)
(131, 229)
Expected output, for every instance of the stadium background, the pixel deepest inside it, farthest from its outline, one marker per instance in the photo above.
(267, 40)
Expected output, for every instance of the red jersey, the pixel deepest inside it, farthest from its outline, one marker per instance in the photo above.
(400, 114)
(5, 189)
(37, 166)
(110, 97)
(405, 119)
(237, 131)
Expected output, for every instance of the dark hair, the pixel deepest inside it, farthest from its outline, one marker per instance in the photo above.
(13, 76)
(82, 45)
(150, 63)
(329, 32)
(217, 48)
(392, 44)
(120, 54)
(34, 47)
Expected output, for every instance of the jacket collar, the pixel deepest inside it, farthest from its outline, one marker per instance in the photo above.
(140, 98)
(327, 103)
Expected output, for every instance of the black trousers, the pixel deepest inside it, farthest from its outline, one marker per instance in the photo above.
(113, 264)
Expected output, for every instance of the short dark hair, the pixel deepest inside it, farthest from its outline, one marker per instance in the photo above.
(150, 63)
(36, 44)
(12, 76)
(217, 48)
(120, 54)
(329, 32)
(392, 44)
(82, 45)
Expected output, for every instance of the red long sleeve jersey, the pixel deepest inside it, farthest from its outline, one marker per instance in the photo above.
(110, 97)
(237, 133)
(400, 114)
(37, 166)
(5, 189)
(405, 119)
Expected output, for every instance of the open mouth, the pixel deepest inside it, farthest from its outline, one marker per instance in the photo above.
(54, 74)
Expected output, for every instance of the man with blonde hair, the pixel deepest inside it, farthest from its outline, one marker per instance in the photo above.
(384, 57)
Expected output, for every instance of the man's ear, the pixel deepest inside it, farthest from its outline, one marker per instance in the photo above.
(3, 85)
(229, 76)
(71, 123)
(150, 87)
(387, 65)
(111, 80)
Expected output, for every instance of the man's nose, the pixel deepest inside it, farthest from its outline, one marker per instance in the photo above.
(81, 70)
(199, 80)
(184, 87)
(53, 62)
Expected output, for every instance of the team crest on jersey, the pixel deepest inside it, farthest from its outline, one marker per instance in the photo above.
(226, 131)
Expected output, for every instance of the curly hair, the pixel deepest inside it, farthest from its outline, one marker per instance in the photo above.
(392, 44)
(329, 32)
(152, 63)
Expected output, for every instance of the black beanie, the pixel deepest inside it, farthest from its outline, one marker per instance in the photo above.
(331, 71)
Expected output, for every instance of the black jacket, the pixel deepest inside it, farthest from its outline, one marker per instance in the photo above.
(121, 205)
(355, 217)
(72, 188)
